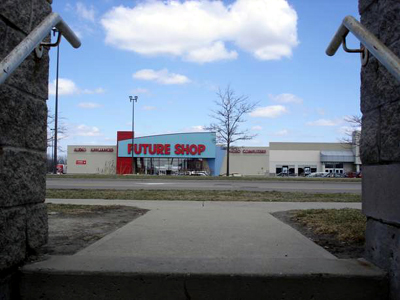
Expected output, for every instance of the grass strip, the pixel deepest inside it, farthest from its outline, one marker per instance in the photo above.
(347, 225)
(198, 195)
(242, 178)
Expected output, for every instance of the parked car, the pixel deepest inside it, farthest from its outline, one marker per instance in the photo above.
(199, 173)
(318, 174)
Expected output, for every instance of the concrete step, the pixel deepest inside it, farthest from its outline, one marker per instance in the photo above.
(96, 277)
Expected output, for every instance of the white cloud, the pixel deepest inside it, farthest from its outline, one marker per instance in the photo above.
(85, 12)
(282, 132)
(286, 98)
(325, 122)
(198, 31)
(84, 130)
(89, 105)
(67, 87)
(149, 107)
(272, 111)
(95, 91)
(195, 128)
(162, 76)
(215, 52)
(257, 127)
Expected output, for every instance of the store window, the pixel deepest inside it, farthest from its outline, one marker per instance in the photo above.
(170, 166)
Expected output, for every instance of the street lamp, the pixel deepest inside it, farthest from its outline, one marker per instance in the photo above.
(56, 113)
(52, 149)
(133, 99)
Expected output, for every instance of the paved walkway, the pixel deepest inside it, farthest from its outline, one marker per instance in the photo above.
(211, 251)
(203, 230)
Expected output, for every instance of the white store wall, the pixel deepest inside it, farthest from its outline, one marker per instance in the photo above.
(96, 162)
(247, 163)
(294, 157)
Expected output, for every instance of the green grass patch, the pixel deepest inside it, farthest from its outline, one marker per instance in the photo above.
(155, 177)
(347, 225)
(198, 195)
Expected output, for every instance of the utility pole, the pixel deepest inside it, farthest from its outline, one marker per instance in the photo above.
(133, 99)
(56, 115)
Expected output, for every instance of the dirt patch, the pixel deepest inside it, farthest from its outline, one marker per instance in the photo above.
(341, 248)
(74, 227)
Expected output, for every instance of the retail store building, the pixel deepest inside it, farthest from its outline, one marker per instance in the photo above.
(196, 153)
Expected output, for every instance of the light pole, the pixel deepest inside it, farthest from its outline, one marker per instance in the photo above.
(52, 149)
(56, 115)
(133, 99)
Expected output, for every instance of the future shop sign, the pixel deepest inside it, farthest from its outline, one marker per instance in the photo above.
(165, 149)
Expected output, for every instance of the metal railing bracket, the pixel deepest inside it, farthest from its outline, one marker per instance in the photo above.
(370, 44)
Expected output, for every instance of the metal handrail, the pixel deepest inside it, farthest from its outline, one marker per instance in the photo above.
(375, 46)
(33, 40)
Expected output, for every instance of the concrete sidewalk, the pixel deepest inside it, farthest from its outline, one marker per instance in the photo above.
(210, 230)
(218, 239)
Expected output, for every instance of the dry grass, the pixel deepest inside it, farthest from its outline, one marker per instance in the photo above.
(196, 195)
(347, 225)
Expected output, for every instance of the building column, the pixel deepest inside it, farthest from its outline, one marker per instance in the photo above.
(380, 143)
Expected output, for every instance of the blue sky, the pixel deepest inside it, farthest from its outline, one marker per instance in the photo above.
(174, 55)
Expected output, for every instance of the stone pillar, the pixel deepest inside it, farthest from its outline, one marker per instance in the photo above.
(380, 143)
(23, 143)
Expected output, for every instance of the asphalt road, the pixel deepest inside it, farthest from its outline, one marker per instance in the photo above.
(283, 186)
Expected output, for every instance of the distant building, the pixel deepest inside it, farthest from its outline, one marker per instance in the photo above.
(198, 154)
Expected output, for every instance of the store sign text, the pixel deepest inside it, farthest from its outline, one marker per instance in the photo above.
(102, 150)
(81, 162)
(94, 150)
(248, 151)
(254, 151)
(165, 149)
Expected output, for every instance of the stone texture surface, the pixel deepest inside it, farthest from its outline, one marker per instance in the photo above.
(23, 117)
(369, 11)
(3, 34)
(388, 22)
(364, 5)
(40, 9)
(22, 120)
(22, 177)
(369, 142)
(380, 143)
(17, 12)
(382, 247)
(380, 192)
(390, 133)
(12, 236)
(376, 81)
(32, 75)
(36, 226)
(381, 18)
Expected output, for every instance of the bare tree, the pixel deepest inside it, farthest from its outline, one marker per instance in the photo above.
(61, 131)
(228, 116)
(355, 122)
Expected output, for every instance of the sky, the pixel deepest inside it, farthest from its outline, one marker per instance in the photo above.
(176, 55)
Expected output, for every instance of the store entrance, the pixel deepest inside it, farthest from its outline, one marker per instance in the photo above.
(172, 166)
